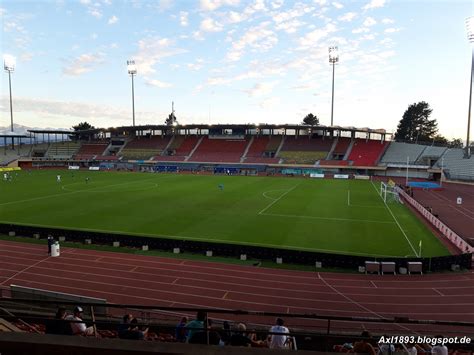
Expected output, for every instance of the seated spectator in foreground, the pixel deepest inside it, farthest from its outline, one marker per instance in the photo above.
(124, 326)
(58, 325)
(181, 330)
(386, 348)
(210, 336)
(439, 349)
(363, 346)
(242, 339)
(281, 340)
(225, 333)
(195, 325)
(78, 327)
(134, 332)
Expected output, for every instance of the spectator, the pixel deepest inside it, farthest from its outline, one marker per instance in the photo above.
(439, 349)
(225, 333)
(363, 346)
(386, 348)
(58, 325)
(134, 332)
(78, 327)
(195, 325)
(181, 330)
(210, 336)
(280, 340)
(124, 326)
(242, 339)
(411, 349)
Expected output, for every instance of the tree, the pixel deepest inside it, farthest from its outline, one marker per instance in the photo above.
(416, 124)
(82, 126)
(311, 120)
(456, 143)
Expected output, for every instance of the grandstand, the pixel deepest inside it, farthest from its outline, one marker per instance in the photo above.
(367, 152)
(305, 150)
(397, 153)
(145, 147)
(219, 150)
(456, 166)
(62, 150)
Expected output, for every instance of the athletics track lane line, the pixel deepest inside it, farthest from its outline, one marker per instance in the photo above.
(243, 270)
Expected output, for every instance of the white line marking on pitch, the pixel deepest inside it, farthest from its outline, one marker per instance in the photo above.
(67, 193)
(398, 224)
(373, 283)
(438, 292)
(326, 218)
(278, 199)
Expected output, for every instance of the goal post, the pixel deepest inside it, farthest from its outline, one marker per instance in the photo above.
(388, 193)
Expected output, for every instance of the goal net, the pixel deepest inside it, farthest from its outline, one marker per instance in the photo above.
(389, 193)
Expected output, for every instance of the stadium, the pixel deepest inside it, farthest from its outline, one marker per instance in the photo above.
(233, 237)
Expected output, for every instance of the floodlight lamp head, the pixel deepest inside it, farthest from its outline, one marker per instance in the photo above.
(333, 54)
(9, 62)
(131, 67)
(470, 29)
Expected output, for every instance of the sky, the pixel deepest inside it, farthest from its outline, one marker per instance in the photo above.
(235, 61)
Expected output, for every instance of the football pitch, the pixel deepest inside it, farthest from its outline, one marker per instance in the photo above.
(333, 216)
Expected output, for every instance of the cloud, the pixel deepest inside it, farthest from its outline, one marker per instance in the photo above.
(112, 20)
(369, 21)
(151, 50)
(95, 12)
(211, 5)
(348, 16)
(387, 21)
(83, 64)
(68, 112)
(261, 89)
(300, 9)
(157, 83)
(210, 25)
(337, 5)
(311, 38)
(290, 26)
(85, 2)
(183, 18)
(392, 30)
(94, 36)
(360, 30)
(259, 38)
(373, 4)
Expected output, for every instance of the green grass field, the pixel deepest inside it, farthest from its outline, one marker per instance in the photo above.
(335, 216)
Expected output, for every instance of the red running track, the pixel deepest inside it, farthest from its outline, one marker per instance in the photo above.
(147, 280)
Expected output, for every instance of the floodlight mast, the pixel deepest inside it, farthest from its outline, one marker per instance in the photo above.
(132, 71)
(333, 59)
(470, 37)
(9, 66)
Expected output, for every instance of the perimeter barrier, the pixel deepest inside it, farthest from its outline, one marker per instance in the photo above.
(258, 253)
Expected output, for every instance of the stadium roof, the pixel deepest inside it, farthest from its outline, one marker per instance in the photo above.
(231, 126)
(50, 131)
(13, 135)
